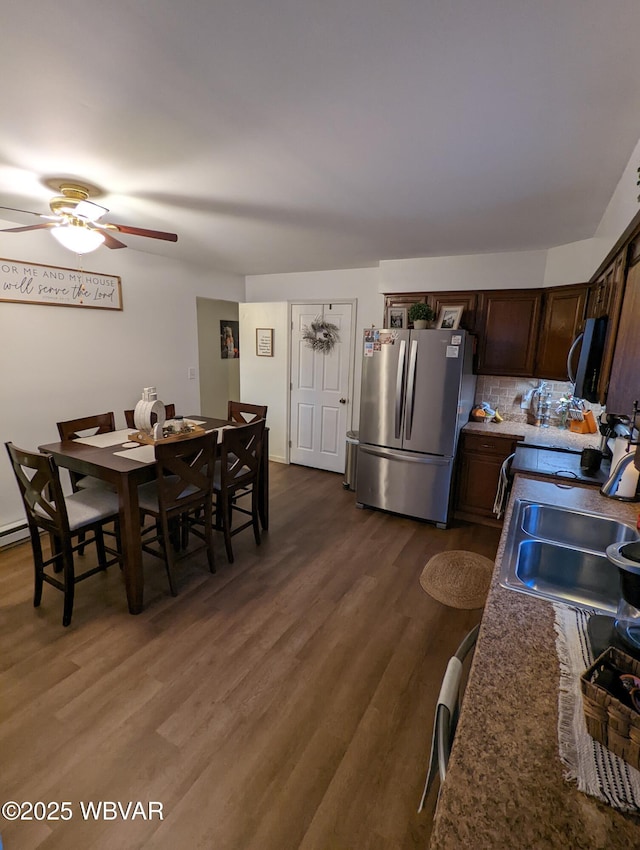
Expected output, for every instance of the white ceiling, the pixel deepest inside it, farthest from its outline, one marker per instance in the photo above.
(293, 135)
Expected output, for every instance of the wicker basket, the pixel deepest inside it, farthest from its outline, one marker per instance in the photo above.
(608, 720)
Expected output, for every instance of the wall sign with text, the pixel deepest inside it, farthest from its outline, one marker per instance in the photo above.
(264, 342)
(33, 283)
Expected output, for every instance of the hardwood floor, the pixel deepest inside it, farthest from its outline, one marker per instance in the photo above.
(285, 702)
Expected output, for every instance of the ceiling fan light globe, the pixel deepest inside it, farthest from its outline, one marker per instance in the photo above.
(80, 240)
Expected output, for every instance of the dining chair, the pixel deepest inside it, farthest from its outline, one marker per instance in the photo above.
(72, 429)
(447, 713)
(237, 474)
(64, 518)
(180, 497)
(238, 411)
(169, 413)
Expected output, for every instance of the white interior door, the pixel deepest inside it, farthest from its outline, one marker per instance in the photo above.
(320, 398)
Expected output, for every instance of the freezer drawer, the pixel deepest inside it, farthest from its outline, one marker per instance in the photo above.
(404, 482)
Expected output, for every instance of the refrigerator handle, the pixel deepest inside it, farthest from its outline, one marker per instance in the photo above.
(411, 385)
(400, 388)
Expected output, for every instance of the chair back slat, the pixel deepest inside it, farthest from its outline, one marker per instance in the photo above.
(238, 411)
(74, 428)
(185, 471)
(241, 454)
(40, 489)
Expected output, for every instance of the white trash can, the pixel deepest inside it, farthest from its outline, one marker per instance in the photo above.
(351, 461)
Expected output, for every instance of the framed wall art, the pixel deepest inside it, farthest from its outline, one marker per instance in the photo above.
(229, 339)
(55, 286)
(264, 342)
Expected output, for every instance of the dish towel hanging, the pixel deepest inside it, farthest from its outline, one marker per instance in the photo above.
(597, 771)
(502, 493)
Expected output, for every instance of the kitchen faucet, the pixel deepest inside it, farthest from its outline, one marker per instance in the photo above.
(612, 484)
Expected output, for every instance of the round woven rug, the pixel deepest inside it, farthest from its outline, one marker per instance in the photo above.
(457, 578)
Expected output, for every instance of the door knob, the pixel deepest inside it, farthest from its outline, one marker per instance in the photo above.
(343, 401)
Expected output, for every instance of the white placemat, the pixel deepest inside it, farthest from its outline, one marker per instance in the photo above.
(143, 454)
(101, 441)
(219, 431)
(597, 771)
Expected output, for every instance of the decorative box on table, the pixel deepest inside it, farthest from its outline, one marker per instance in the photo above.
(148, 439)
(610, 721)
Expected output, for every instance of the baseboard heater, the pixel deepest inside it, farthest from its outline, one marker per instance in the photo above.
(12, 532)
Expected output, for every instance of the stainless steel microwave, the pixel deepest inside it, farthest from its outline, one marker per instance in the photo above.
(587, 374)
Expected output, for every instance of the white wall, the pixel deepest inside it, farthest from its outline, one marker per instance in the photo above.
(63, 362)
(575, 262)
(513, 270)
(622, 207)
(578, 261)
(265, 380)
(363, 284)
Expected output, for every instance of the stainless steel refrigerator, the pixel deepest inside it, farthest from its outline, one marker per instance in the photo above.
(417, 392)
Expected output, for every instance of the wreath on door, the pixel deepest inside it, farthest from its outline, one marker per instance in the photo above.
(321, 335)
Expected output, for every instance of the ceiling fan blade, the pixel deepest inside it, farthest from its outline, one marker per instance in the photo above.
(109, 240)
(15, 209)
(26, 227)
(140, 231)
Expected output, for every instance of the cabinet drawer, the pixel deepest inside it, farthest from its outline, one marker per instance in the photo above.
(488, 444)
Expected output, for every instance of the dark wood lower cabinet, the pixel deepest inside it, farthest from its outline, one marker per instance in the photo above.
(480, 459)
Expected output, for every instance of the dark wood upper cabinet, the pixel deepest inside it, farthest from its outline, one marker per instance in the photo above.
(605, 299)
(508, 325)
(528, 332)
(624, 383)
(563, 313)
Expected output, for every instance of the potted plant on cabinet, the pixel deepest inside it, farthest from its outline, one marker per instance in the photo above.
(420, 314)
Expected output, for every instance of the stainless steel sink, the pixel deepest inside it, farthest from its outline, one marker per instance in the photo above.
(573, 528)
(559, 554)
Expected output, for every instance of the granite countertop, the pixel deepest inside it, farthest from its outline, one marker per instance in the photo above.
(505, 786)
(553, 437)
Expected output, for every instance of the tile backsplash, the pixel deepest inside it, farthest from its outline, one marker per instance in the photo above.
(505, 395)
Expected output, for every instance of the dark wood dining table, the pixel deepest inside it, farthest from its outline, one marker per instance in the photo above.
(126, 475)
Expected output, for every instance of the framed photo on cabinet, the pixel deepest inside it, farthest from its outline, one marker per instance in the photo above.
(396, 318)
(449, 317)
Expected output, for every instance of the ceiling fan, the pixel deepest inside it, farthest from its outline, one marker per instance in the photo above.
(76, 222)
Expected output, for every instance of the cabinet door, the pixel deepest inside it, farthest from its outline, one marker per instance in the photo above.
(480, 461)
(624, 384)
(562, 320)
(508, 331)
(597, 299)
(613, 285)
